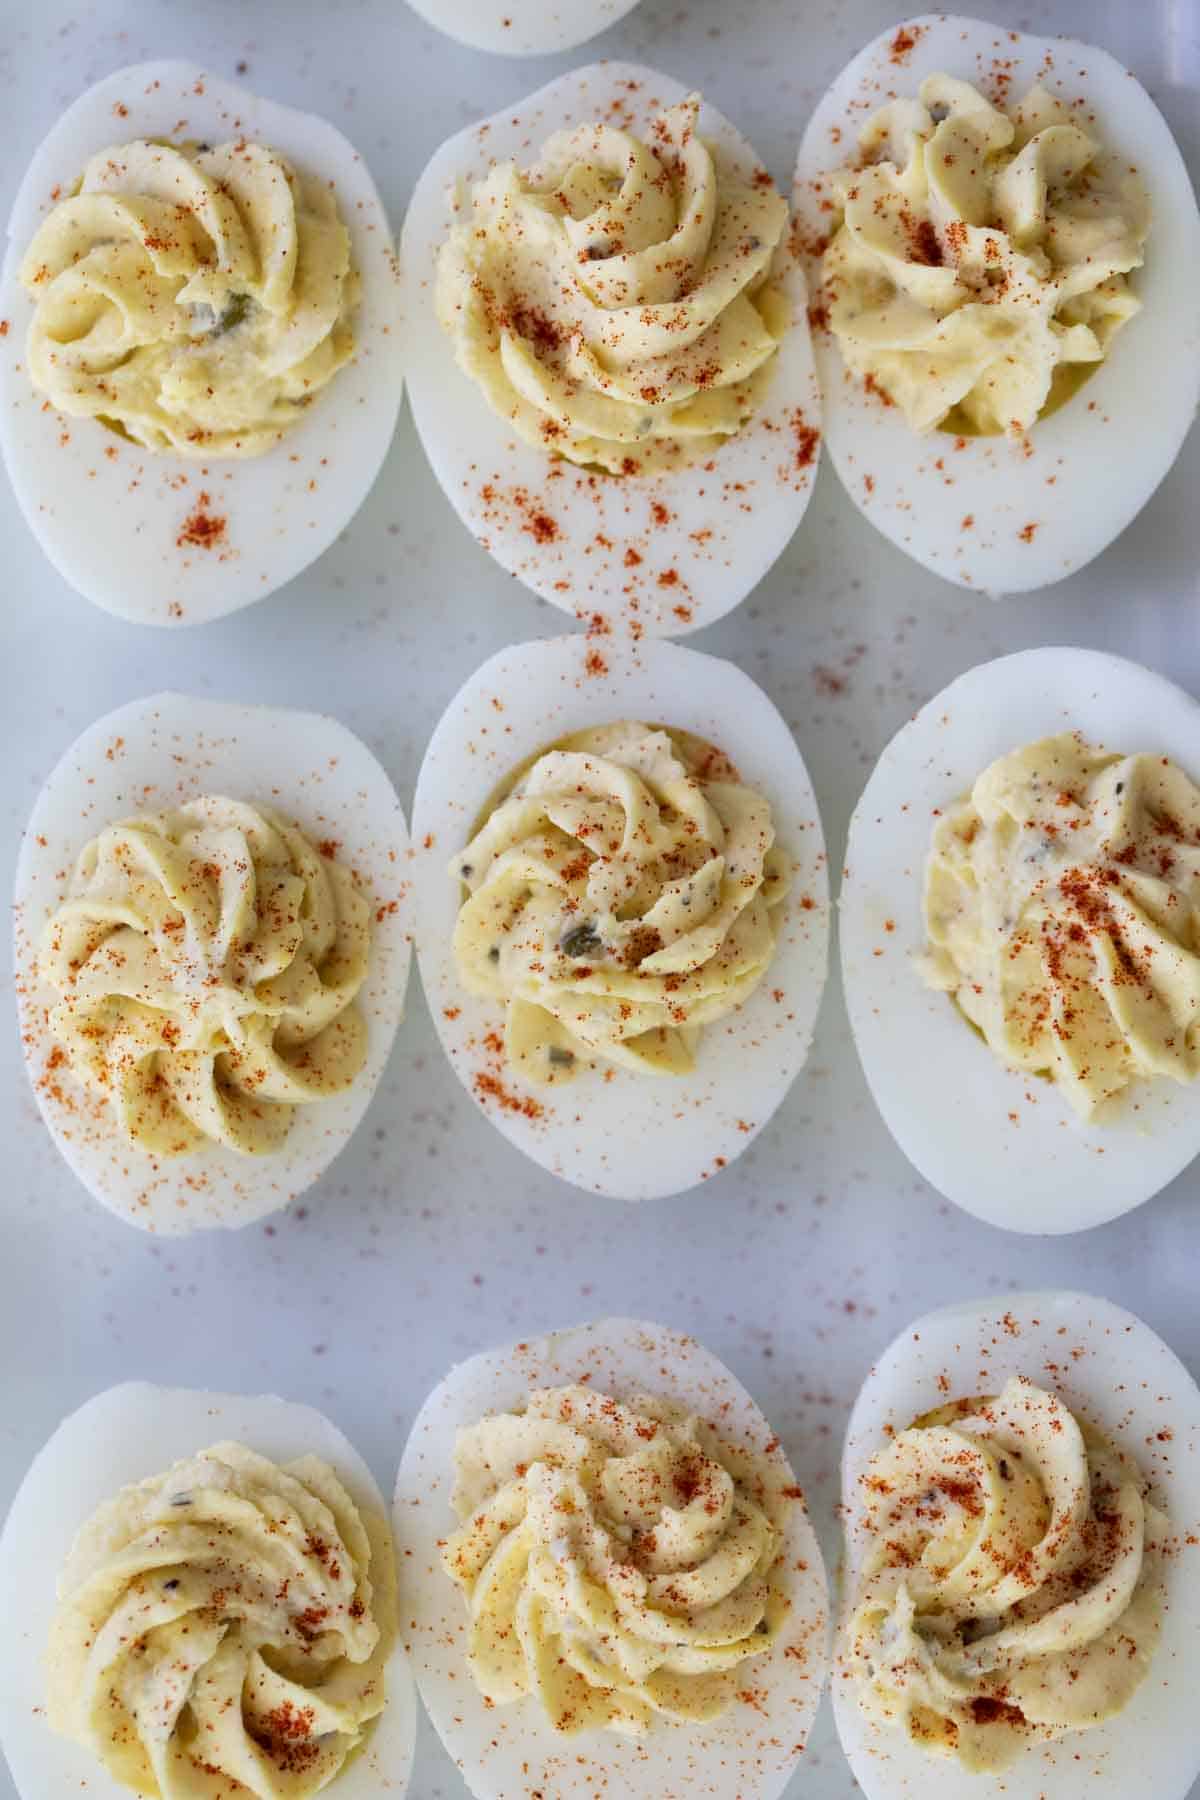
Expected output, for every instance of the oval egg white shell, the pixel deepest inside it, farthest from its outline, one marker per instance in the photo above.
(631, 1136)
(726, 523)
(522, 27)
(509, 1753)
(1041, 508)
(110, 515)
(1005, 1146)
(156, 753)
(124, 1435)
(1115, 1372)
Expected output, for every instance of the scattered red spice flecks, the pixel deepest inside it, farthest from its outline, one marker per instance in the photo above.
(202, 529)
(905, 42)
(808, 439)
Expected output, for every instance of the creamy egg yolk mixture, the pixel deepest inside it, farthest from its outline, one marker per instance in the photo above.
(1062, 906)
(224, 1625)
(617, 302)
(1009, 1578)
(195, 299)
(624, 895)
(979, 269)
(618, 1561)
(207, 961)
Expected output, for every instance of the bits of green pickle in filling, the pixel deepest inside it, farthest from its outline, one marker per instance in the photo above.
(581, 941)
(236, 311)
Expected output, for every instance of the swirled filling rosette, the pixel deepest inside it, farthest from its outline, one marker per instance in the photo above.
(191, 1624)
(202, 361)
(615, 302)
(980, 268)
(1021, 946)
(1019, 1480)
(207, 961)
(226, 1620)
(611, 1581)
(194, 298)
(1015, 1585)
(621, 897)
(1002, 241)
(1062, 902)
(617, 1561)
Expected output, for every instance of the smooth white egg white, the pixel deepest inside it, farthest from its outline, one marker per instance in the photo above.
(1004, 1145)
(998, 516)
(124, 1435)
(665, 554)
(509, 1753)
(523, 27)
(1117, 1375)
(157, 753)
(114, 518)
(629, 1135)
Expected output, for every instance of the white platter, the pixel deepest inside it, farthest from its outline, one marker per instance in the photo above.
(429, 1238)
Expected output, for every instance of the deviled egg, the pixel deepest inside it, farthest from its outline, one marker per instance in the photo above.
(612, 1581)
(523, 27)
(622, 907)
(200, 1597)
(200, 372)
(212, 952)
(1003, 248)
(1019, 934)
(1021, 1485)
(610, 366)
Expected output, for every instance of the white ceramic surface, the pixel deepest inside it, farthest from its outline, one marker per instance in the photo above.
(996, 515)
(431, 1238)
(1006, 1146)
(122, 1436)
(170, 540)
(666, 555)
(509, 1753)
(160, 752)
(611, 1130)
(523, 27)
(1119, 1376)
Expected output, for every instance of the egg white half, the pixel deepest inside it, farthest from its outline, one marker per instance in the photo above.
(989, 514)
(611, 1130)
(124, 1435)
(1114, 1372)
(112, 516)
(509, 1753)
(523, 27)
(156, 753)
(602, 544)
(1006, 1146)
